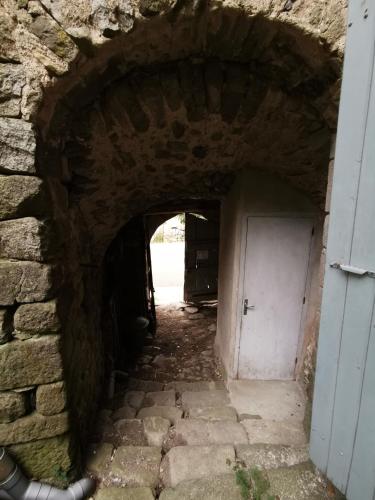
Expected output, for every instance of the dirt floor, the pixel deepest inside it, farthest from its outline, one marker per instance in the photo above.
(183, 348)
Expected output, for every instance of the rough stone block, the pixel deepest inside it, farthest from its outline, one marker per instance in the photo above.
(141, 493)
(6, 325)
(51, 398)
(12, 406)
(213, 413)
(204, 385)
(275, 432)
(134, 399)
(12, 79)
(160, 398)
(156, 429)
(224, 487)
(171, 413)
(185, 463)
(198, 432)
(144, 385)
(17, 146)
(297, 483)
(136, 466)
(22, 196)
(27, 239)
(36, 319)
(266, 456)
(192, 399)
(45, 458)
(33, 427)
(130, 432)
(124, 412)
(24, 281)
(30, 362)
(98, 459)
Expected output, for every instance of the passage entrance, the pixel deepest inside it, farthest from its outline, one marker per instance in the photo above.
(275, 274)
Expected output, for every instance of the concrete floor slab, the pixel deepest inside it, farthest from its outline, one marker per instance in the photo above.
(270, 399)
(185, 463)
(288, 433)
(266, 456)
(222, 487)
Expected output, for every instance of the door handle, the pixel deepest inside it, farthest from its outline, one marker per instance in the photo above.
(246, 307)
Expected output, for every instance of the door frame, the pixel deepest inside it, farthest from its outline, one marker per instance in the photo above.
(241, 280)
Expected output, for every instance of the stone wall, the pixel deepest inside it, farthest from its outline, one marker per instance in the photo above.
(106, 108)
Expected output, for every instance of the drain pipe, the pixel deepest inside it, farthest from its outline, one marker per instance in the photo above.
(14, 485)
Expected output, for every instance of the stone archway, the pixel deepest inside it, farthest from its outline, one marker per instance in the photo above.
(110, 110)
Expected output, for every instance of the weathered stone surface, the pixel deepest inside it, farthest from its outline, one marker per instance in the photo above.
(275, 432)
(130, 432)
(156, 429)
(26, 239)
(99, 458)
(160, 398)
(136, 466)
(33, 427)
(144, 385)
(297, 483)
(171, 413)
(266, 456)
(124, 412)
(37, 319)
(25, 281)
(134, 399)
(12, 406)
(51, 398)
(199, 432)
(192, 399)
(203, 385)
(12, 80)
(141, 493)
(53, 37)
(213, 413)
(17, 146)
(45, 458)
(185, 463)
(30, 362)
(21, 196)
(6, 325)
(223, 487)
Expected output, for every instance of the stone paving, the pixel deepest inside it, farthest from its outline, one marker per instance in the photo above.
(202, 441)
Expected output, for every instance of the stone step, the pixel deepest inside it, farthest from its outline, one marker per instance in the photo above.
(222, 487)
(289, 433)
(160, 398)
(300, 482)
(204, 385)
(268, 456)
(213, 413)
(134, 466)
(194, 432)
(202, 399)
(113, 493)
(171, 413)
(136, 384)
(184, 463)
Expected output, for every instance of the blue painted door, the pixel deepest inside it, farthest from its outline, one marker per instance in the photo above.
(343, 423)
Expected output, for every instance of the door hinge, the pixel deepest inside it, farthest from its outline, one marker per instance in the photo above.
(246, 307)
(352, 269)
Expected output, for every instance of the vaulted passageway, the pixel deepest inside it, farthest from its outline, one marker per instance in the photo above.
(173, 108)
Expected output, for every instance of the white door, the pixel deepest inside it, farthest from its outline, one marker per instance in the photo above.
(276, 263)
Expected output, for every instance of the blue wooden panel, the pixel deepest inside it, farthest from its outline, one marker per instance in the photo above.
(340, 314)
